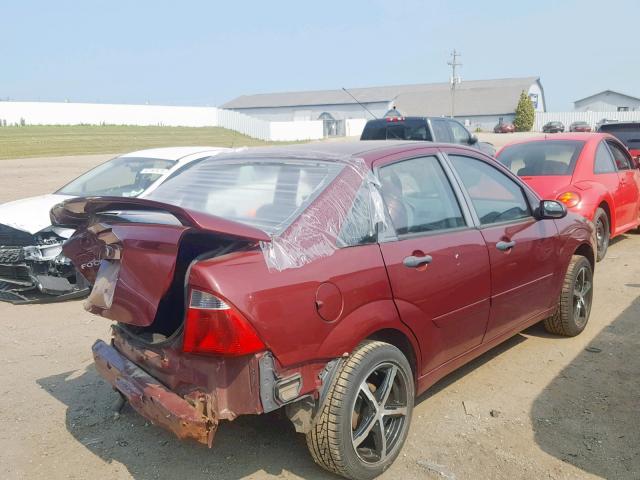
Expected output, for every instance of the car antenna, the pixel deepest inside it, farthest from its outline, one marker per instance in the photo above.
(349, 93)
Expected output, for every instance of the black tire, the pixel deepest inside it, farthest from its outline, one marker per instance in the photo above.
(603, 232)
(572, 315)
(347, 410)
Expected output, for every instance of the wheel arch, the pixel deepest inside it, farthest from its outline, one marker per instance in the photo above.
(402, 342)
(604, 204)
(377, 320)
(585, 250)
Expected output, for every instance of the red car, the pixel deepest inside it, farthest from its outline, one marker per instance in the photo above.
(592, 174)
(580, 127)
(504, 127)
(336, 282)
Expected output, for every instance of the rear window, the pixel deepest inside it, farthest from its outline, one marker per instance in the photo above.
(409, 129)
(554, 157)
(267, 194)
(627, 134)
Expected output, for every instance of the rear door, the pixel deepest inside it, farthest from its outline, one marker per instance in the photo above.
(628, 190)
(523, 251)
(437, 261)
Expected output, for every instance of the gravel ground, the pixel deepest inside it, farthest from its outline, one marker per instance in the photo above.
(536, 407)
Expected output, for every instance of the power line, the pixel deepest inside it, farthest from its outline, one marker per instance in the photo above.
(454, 79)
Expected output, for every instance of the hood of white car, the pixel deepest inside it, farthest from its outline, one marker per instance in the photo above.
(31, 214)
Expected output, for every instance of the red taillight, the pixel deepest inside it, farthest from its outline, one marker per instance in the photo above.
(395, 119)
(570, 199)
(214, 327)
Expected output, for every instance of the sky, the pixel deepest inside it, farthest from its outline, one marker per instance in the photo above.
(194, 52)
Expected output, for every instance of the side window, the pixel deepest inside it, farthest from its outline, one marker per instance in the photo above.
(419, 197)
(603, 162)
(358, 227)
(495, 196)
(441, 132)
(622, 160)
(460, 134)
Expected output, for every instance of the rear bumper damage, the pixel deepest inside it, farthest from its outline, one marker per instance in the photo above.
(194, 419)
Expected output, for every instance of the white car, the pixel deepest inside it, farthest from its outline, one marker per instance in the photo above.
(32, 267)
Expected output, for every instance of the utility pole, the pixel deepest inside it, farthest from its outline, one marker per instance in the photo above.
(454, 79)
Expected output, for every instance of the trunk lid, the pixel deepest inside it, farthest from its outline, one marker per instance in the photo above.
(548, 187)
(136, 252)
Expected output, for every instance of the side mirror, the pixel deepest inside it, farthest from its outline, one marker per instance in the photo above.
(473, 139)
(551, 209)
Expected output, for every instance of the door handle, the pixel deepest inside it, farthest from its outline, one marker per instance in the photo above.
(415, 262)
(504, 246)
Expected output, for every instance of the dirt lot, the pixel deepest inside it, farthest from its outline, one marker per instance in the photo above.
(536, 407)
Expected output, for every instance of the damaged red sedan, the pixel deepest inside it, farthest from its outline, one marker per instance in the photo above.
(336, 282)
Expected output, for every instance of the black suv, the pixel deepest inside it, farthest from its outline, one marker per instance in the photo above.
(429, 129)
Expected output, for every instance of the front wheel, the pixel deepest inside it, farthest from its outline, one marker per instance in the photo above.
(364, 421)
(574, 306)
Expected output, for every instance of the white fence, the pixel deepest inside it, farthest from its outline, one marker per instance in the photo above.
(354, 126)
(253, 127)
(567, 118)
(50, 113)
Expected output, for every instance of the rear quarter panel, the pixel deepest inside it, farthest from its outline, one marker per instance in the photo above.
(282, 304)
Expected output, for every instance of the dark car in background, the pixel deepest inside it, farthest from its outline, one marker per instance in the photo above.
(504, 127)
(627, 132)
(332, 282)
(580, 126)
(553, 127)
(429, 129)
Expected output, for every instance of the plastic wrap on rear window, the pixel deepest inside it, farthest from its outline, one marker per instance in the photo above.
(310, 204)
(349, 212)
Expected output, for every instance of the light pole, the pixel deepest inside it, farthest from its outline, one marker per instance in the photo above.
(455, 80)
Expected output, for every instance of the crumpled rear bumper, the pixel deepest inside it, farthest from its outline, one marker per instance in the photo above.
(153, 400)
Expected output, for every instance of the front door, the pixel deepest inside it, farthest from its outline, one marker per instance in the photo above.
(523, 251)
(437, 261)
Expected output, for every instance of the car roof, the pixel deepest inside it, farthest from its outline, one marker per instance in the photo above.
(173, 153)
(369, 150)
(583, 136)
(620, 124)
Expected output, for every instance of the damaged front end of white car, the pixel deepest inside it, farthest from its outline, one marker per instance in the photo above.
(32, 266)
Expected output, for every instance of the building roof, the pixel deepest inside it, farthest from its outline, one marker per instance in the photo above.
(474, 97)
(606, 92)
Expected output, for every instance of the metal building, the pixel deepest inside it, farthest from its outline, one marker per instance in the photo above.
(478, 103)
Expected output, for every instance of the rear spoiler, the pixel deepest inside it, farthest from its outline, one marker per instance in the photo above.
(77, 212)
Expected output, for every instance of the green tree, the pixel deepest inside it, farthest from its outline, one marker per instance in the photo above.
(525, 114)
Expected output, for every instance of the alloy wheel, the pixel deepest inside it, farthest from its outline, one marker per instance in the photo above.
(600, 234)
(582, 293)
(379, 413)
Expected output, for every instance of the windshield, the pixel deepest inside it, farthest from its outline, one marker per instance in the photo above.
(627, 134)
(120, 177)
(553, 157)
(267, 194)
(409, 129)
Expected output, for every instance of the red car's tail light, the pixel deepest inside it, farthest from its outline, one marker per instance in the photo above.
(214, 327)
(570, 199)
